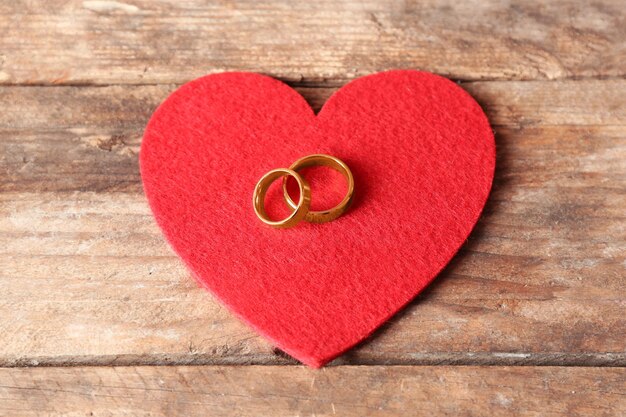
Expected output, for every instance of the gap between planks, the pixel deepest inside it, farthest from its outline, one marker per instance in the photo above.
(491, 359)
(338, 83)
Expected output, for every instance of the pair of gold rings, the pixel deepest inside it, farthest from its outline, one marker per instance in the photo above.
(301, 208)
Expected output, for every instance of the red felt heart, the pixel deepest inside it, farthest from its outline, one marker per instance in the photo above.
(422, 154)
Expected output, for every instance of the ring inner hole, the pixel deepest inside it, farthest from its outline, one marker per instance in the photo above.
(276, 207)
(328, 187)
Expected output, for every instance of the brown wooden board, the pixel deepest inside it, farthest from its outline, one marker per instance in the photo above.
(86, 278)
(294, 391)
(309, 42)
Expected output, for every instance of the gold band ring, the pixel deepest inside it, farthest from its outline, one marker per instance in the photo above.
(337, 164)
(300, 210)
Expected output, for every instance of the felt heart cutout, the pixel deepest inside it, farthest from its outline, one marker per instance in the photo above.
(422, 154)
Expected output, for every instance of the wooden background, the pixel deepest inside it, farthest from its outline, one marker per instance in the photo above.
(98, 317)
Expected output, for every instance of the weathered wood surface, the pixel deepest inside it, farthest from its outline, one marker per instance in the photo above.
(51, 137)
(313, 43)
(289, 391)
(87, 278)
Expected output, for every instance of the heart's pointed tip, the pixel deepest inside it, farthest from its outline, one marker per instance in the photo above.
(314, 363)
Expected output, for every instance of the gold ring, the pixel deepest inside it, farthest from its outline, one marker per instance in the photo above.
(337, 164)
(300, 210)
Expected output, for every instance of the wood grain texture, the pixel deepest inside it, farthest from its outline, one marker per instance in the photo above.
(88, 279)
(313, 43)
(87, 139)
(295, 391)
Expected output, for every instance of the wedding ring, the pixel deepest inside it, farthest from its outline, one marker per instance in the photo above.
(337, 164)
(300, 210)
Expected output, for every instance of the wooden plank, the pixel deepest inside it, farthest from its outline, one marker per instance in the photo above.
(315, 43)
(289, 391)
(66, 139)
(118, 108)
(86, 277)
